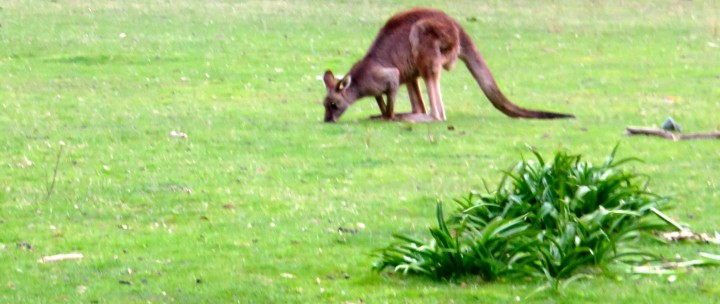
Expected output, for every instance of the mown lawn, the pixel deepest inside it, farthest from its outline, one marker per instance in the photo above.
(250, 206)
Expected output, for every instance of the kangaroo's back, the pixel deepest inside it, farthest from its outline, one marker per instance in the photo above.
(392, 45)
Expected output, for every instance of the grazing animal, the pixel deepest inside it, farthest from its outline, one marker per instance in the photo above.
(416, 44)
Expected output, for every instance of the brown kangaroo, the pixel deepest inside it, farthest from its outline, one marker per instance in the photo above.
(416, 44)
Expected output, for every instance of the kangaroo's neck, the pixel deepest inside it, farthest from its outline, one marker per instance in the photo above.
(352, 93)
(361, 80)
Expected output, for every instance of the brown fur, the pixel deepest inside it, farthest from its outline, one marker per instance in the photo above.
(416, 44)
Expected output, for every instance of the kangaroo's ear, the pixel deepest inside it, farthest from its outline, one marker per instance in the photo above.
(329, 80)
(344, 83)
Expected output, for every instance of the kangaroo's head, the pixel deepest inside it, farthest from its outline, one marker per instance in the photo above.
(336, 101)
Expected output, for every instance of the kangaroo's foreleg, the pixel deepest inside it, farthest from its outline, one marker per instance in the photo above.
(390, 108)
(382, 106)
(387, 109)
(391, 78)
(385, 81)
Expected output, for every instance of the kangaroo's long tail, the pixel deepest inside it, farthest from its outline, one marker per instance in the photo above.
(480, 71)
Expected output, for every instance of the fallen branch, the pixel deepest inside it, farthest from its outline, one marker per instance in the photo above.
(687, 235)
(670, 135)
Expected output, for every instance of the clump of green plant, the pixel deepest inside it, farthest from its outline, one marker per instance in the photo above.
(546, 220)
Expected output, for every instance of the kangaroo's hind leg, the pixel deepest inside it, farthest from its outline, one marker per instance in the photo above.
(435, 45)
(416, 99)
(432, 83)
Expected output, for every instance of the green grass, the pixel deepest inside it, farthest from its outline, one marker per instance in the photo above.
(261, 186)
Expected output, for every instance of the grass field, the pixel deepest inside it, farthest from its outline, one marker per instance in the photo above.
(248, 207)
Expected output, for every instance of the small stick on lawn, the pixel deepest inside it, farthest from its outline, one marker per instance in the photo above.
(57, 162)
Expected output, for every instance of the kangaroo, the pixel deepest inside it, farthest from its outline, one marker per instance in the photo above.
(416, 44)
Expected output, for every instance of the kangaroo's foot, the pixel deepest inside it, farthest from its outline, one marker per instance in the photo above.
(408, 117)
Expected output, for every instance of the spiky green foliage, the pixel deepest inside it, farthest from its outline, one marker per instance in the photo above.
(545, 220)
